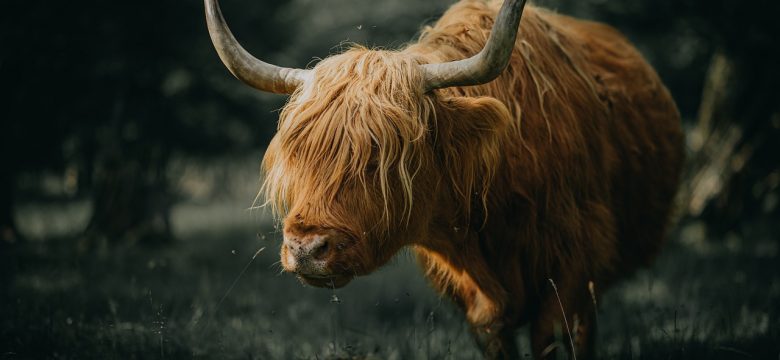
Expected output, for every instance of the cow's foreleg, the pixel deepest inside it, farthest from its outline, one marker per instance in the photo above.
(492, 331)
(496, 341)
(481, 296)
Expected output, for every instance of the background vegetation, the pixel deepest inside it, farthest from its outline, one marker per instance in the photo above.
(130, 160)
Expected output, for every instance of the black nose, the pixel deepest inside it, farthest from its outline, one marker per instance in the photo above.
(315, 247)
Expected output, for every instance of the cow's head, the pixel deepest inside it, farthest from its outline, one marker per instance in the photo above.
(366, 151)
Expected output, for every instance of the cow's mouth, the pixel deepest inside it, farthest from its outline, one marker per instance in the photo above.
(325, 281)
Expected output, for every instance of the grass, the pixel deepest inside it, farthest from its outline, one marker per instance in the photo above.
(136, 302)
(141, 302)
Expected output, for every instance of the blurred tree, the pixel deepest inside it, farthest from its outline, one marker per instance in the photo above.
(28, 140)
(719, 59)
(734, 141)
(8, 231)
(737, 134)
(115, 89)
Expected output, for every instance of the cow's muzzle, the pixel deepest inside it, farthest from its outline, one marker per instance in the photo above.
(310, 255)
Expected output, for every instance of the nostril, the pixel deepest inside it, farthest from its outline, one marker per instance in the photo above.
(292, 244)
(320, 251)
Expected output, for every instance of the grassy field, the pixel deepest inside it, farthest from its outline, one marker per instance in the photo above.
(210, 294)
(206, 296)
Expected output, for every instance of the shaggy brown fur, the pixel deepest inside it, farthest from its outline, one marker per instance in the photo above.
(563, 168)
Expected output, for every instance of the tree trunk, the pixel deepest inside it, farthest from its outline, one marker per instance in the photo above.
(712, 141)
(733, 170)
(131, 200)
(8, 231)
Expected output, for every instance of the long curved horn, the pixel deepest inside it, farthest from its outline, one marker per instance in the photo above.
(252, 71)
(489, 63)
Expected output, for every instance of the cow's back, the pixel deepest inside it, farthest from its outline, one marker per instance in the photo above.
(594, 160)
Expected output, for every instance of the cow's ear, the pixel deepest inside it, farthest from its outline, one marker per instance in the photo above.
(470, 135)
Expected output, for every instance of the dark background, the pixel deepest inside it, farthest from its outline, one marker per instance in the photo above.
(130, 162)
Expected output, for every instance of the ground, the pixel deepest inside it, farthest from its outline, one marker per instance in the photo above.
(210, 294)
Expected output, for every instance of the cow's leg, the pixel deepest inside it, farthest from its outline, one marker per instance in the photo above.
(480, 294)
(497, 341)
(493, 331)
(550, 333)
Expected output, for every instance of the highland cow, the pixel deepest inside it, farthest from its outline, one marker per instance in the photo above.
(521, 166)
